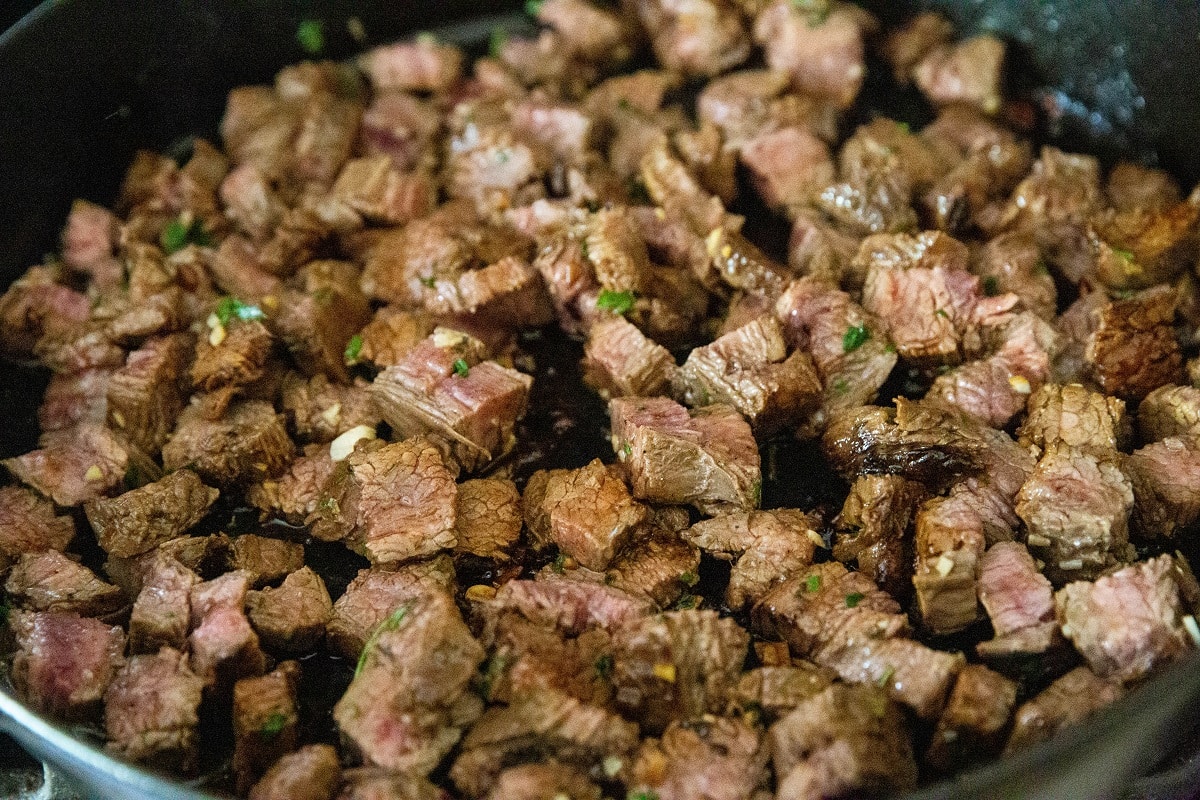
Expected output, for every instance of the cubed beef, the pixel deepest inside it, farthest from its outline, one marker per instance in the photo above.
(316, 324)
(319, 410)
(29, 524)
(1165, 477)
(1068, 701)
(1170, 411)
(74, 466)
(724, 756)
(397, 711)
(265, 560)
(204, 555)
(236, 270)
(162, 612)
(975, 720)
(707, 457)
(51, 581)
(79, 348)
(768, 547)
(773, 691)
(403, 260)
(1133, 186)
(788, 166)
(391, 503)
(874, 530)
(621, 361)
(251, 201)
(661, 566)
(291, 618)
(704, 38)
(373, 783)
(1133, 349)
(1012, 262)
(381, 193)
(88, 241)
(494, 171)
(265, 719)
(151, 711)
(311, 773)
(1076, 417)
(740, 264)
(543, 782)
(35, 305)
(141, 519)
(968, 72)
(1012, 590)
(74, 399)
(146, 396)
(907, 44)
(389, 337)
(237, 358)
(949, 540)
(489, 518)
(295, 494)
(400, 126)
(671, 185)
(375, 593)
(1142, 247)
(223, 645)
(569, 605)
(821, 48)
(248, 443)
(64, 662)
(845, 740)
(152, 312)
(422, 65)
(539, 727)
(818, 248)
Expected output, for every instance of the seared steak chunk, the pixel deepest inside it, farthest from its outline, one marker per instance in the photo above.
(144, 518)
(969, 72)
(1133, 349)
(316, 323)
(162, 612)
(975, 720)
(238, 358)
(1068, 701)
(661, 566)
(704, 38)
(569, 605)
(74, 399)
(1170, 411)
(248, 443)
(528, 657)
(29, 524)
(621, 361)
(391, 334)
(543, 782)
(489, 518)
(375, 593)
(1166, 486)
(73, 466)
(291, 618)
(1074, 416)
(150, 711)
(294, 495)
(726, 757)
(146, 395)
(311, 773)
(264, 722)
(265, 560)
(775, 690)
(420, 65)
(51, 581)
(821, 48)
(223, 645)
(35, 305)
(1012, 590)
(320, 410)
(874, 530)
(64, 662)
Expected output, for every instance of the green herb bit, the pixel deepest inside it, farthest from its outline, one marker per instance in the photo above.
(853, 599)
(230, 308)
(854, 337)
(812, 583)
(1040, 268)
(687, 602)
(461, 368)
(641, 794)
(390, 624)
(496, 666)
(616, 302)
(903, 126)
(311, 36)
(428, 281)
(941, 312)
(1127, 255)
(496, 43)
(274, 724)
(426, 39)
(604, 666)
(885, 679)
(179, 234)
(533, 7)
(817, 10)
(354, 348)
(991, 286)
(557, 564)
(841, 386)
(627, 449)
(891, 348)
(756, 492)
(689, 578)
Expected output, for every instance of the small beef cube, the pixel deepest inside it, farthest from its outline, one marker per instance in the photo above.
(376, 189)
(1141, 248)
(264, 722)
(389, 337)
(1012, 262)
(251, 201)
(1127, 623)
(1170, 411)
(74, 399)
(73, 466)
(265, 560)
(874, 530)
(88, 241)
(421, 65)
(204, 555)
(621, 361)
(141, 519)
(79, 348)
(662, 567)
(702, 39)
(588, 32)
(400, 126)
(1133, 349)
(775, 690)
(401, 259)
(769, 547)
(150, 711)
(539, 727)
(496, 173)
(975, 720)
(907, 44)
(569, 605)
(237, 359)
(1165, 477)
(528, 658)
(845, 740)
(1012, 590)
(35, 305)
(293, 617)
(158, 313)
(507, 294)
(29, 524)
(375, 593)
(146, 396)
(248, 443)
(819, 249)
(295, 494)
(707, 457)
(727, 757)
(1077, 417)
(320, 410)
(1067, 702)
(162, 612)
(237, 271)
(1076, 512)
(489, 518)
(950, 538)
(223, 645)
(391, 503)
(397, 710)
(821, 49)
(51, 581)
(788, 166)
(373, 783)
(751, 370)
(543, 782)
(968, 72)
(311, 773)
(1134, 186)
(316, 324)
(676, 666)
(64, 662)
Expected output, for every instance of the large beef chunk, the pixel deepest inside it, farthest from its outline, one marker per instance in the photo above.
(845, 740)
(391, 503)
(1068, 701)
(36, 305)
(528, 657)
(704, 38)
(146, 395)
(1133, 349)
(51, 581)
(223, 645)
(316, 324)
(718, 759)
(319, 410)
(768, 547)
(292, 617)
(64, 662)
(821, 48)
(1019, 600)
(151, 711)
(248, 443)
(968, 72)
(1170, 411)
(773, 691)
(29, 524)
(1166, 486)
(142, 519)
(423, 65)
(975, 720)
(874, 530)
(73, 466)
(294, 495)
(265, 719)
(1077, 417)
(311, 773)
(399, 711)
(707, 458)
(234, 354)
(621, 361)
(375, 593)
(263, 559)
(571, 606)
(489, 518)
(1126, 623)
(162, 612)
(74, 399)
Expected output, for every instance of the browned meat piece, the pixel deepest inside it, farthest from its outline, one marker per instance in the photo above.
(907, 45)
(1011, 263)
(400, 126)
(375, 188)
(248, 443)
(1133, 349)
(849, 347)
(1076, 507)
(264, 722)
(389, 337)
(35, 305)
(311, 773)
(1139, 248)
(976, 718)
(528, 658)
(237, 271)
(73, 466)
(1170, 411)
(539, 727)
(817, 247)
(1165, 476)
(64, 662)
(51, 581)
(543, 782)
(251, 202)
(291, 618)
(391, 503)
(320, 410)
(1068, 701)
(75, 399)
(561, 129)
(146, 395)
(750, 369)
(1133, 186)
(676, 666)
(788, 166)
(398, 711)
(1076, 417)
(295, 494)
(881, 167)
(223, 645)
(1128, 622)
(726, 757)
(88, 242)
(162, 612)
(79, 348)
(642, 90)
(506, 294)
(150, 711)
(237, 359)
(703, 38)
(662, 567)
(774, 691)
(588, 32)
(375, 593)
(968, 72)
(742, 265)
(621, 361)
(208, 555)
(489, 518)
(950, 538)
(845, 740)
(29, 524)
(672, 186)
(707, 458)
(265, 560)
(874, 530)
(769, 547)
(569, 605)
(494, 171)
(316, 324)
(821, 48)
(446, 389)
(1012, 590)
(142, 519)
(752, 102)
(370, 783)
(422, 65)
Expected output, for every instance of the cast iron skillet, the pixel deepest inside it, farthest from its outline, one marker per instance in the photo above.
(83, 83)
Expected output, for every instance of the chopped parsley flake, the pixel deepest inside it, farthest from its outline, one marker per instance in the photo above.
(812, 583)
(533, 7)
(841, 386)
(390, 624)
(557, 564)
(854, 337)
(687, 602)
(311, 36)
(885, 678)
(428, 282)
(179, 234)
(496, 43)
(461, 368)
(689, 578)
(756, 493)
(604, 666)
(230, 308)
(1040, 268)
(817, 10)
(1125, 254)
(991, 286)
(616, 302)
(354, 348)
(641, 794)
(853, 599)
(496, 667)
(274, 724)
(903, 126)
(941, 312)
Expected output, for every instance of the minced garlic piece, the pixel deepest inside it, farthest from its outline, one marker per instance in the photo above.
(1020, 384)
(665, 671)
(945, 565)
(343, 445)
(94, 473)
